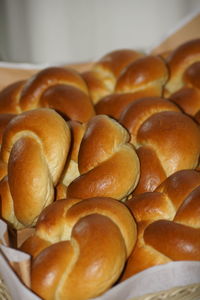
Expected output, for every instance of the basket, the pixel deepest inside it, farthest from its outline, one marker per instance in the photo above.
(188, 292)
(4, 295)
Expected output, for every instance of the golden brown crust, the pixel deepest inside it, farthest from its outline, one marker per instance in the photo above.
(168, 223)
(6, 205)
(149, 72)
(140, 110)
(10, 97)
(178, 61)
(71, 170)
(89, 242)
(69, 101)
(157, 126)
(151, 171)
(38, 83)
(191, 76)
(59, 88)
(96, 86)
(116, 61)
(4, 120)
(188, 99)
(101, 79)
(108, 164)
(40, 152)
(113, 105)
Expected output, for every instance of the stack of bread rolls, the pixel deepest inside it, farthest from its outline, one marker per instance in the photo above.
(104, 166)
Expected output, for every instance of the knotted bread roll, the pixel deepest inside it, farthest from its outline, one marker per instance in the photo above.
(146, 73)
(107, 162)
(62, 89)
(179, 61)
(166, 140)
(82, 252)
(102, 77)
(145, 77)
(188, 97)
(168, 222)
(35, 146)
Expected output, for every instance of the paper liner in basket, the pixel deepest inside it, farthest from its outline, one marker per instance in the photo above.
(17, 260)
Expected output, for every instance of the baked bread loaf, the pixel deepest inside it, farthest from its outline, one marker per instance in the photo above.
(35, 147)
(61, 89)
(101, 79)
(168, 223)
(83, 251)
(163, 137)
(107, 162)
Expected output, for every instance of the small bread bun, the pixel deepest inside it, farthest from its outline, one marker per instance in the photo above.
(107, 162)
(157, 126)
(168, 223)
(62, 89)
(179, 61)
(101, 79)
(82, 253)
(149, 72)
(36, 156)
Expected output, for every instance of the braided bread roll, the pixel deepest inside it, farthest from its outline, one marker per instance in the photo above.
(166, 140)
(168, 223)
(188, 97)
(143, 78)
(178, 62)
(62, 89)
(149, 72)
(101, 79)
(107, 162)
(35, 146)
(83, 251)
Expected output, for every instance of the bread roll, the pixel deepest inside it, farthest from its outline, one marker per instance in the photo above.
(168, 223)
(163, 137)
(35, 146)
(178, 62)
(107, 162)
(61, 89)
(83, 251)
(101, 79)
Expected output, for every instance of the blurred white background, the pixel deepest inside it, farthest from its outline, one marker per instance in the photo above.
(68, 31)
